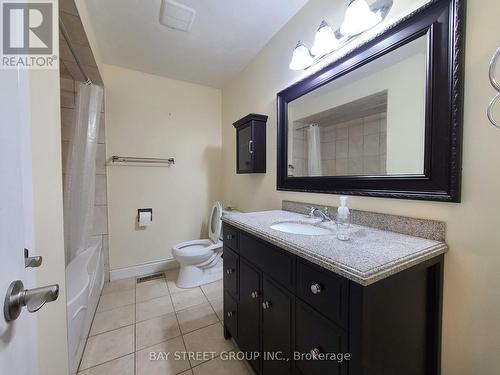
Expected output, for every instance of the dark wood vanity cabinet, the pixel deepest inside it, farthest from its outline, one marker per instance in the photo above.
(292, 312)
(251, 144)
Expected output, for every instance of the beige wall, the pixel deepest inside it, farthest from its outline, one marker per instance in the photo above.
(471, 326)
(152, 116)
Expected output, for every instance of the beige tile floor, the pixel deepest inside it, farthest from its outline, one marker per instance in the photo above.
(133, 320)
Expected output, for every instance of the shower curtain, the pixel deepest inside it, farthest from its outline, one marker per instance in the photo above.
(314, 167)
(79, 184)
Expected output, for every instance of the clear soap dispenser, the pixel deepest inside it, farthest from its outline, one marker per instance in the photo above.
(343, 220)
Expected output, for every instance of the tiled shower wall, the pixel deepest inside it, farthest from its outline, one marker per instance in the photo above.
(100, 224)
(354, 147)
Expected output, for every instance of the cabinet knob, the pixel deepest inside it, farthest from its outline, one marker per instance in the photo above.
(315, 288)
(315, 352)
(229, 236)
(229, 271)
(250, 146)
(266, 305)
(229, 314)
(254, 294)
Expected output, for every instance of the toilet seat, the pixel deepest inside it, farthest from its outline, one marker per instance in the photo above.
(196, 248)
(215, 222)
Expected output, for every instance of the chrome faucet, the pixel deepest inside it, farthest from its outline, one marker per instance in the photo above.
(323, 214)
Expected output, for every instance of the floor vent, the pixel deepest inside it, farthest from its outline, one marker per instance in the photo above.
(154, 276)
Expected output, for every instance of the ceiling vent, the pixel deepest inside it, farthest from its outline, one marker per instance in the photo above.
(176, 16)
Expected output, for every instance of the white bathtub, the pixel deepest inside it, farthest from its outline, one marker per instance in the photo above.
(84, 283)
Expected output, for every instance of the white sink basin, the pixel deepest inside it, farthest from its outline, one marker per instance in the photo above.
(301, 228)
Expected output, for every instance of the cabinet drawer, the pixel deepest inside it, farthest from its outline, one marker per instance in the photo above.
(230, 237)
(323, 290)
(231, 272)
(231, 315)
(276, 262)
(317, 336)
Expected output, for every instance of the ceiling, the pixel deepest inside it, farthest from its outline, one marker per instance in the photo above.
(225, 36)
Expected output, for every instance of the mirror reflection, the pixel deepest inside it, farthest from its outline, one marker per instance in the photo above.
(369, 122)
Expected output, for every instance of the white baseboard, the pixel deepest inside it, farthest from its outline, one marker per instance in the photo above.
(143, 269)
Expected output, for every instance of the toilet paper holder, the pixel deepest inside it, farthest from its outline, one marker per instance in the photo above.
(150, 210)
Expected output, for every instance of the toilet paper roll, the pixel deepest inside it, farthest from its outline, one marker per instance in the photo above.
(144, 219)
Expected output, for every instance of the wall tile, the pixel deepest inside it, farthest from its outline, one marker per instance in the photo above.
(65, 153)
(299, 167)
(341, 132)
(355, 146)
(100, 225)
(67, 99)
(356, 131)
(67, 123)
(341, 149)
(100, 162)
(383, 143)
(100, 190)
(383, 164)
(341, 167)
(329, 168)
(371, 127)
(67, 84)
(105, 248)
(371, 165)
(328, 134)
(371, 145)
(298, 147)
(355, 165)
(102, 130)
(329, 150)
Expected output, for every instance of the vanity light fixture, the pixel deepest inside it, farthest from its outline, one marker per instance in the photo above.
(301, 58)
(325, 40)
(359, 17)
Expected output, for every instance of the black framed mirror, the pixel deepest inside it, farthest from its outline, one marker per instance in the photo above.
(385, 120)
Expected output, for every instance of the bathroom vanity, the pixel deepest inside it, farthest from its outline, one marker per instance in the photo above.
(311, 304)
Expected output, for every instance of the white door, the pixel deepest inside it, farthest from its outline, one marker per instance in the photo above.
(18, 339)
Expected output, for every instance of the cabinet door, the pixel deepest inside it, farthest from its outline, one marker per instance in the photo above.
(245, 149)
(249, 317)
(277, 307)
(230, 317)
(231, 265)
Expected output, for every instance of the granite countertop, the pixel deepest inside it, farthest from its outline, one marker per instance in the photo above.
(370, 255)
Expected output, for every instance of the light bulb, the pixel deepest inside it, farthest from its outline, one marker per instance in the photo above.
(358, 18)
(301, 58)
(324, 40)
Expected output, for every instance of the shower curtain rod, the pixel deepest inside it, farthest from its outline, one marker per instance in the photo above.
(73, 51)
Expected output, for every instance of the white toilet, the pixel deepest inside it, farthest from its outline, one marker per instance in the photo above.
(201, 260)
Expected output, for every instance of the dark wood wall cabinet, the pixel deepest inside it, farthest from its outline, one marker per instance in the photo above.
(294, 314)
(251, 144)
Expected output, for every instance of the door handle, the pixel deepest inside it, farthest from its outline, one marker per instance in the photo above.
(31, 262)
(34, 299)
